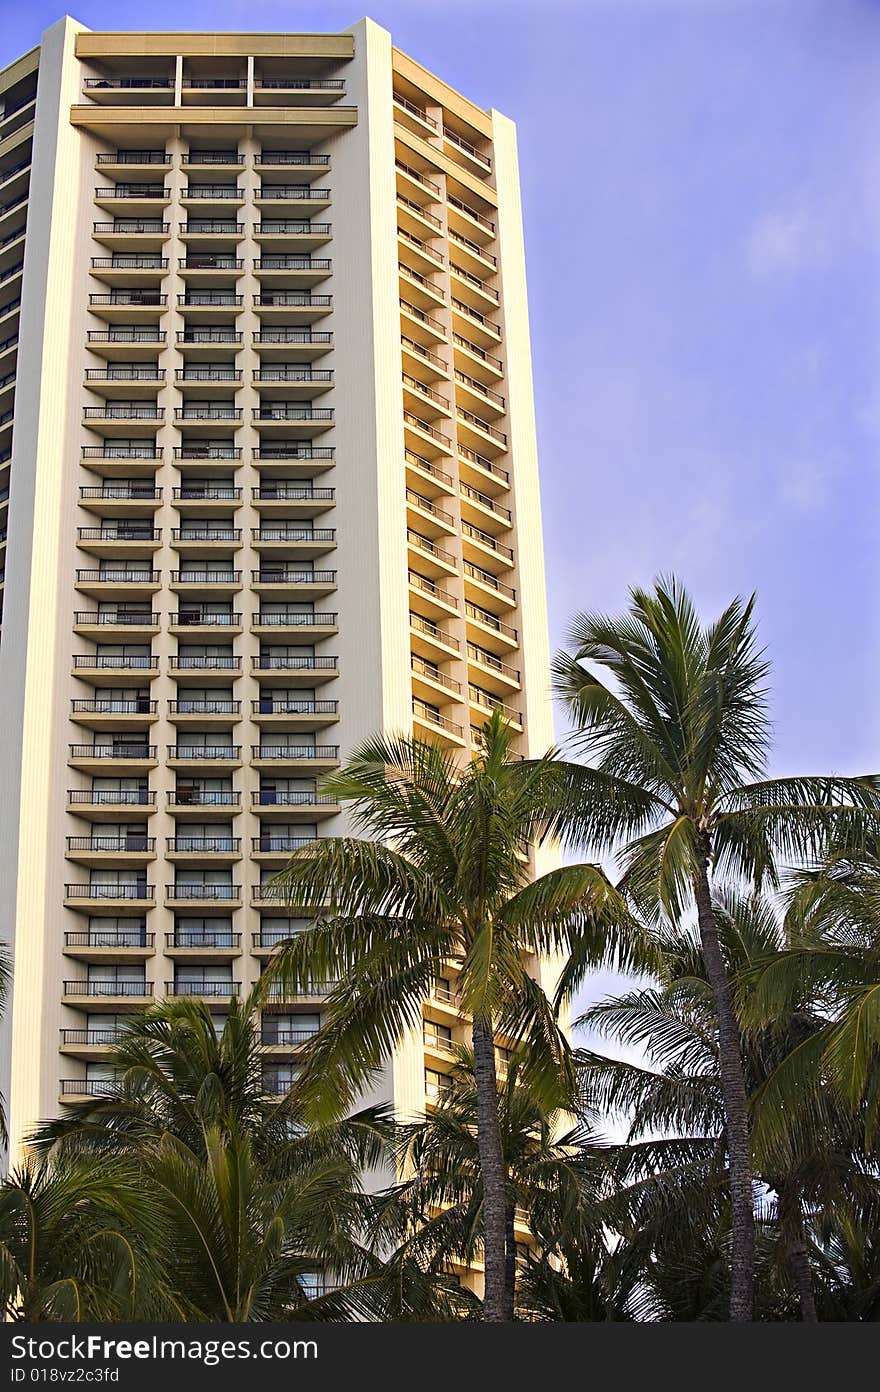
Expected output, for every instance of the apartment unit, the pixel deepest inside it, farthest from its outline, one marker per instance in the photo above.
(267, 450)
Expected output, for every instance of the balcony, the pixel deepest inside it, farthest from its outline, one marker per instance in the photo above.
(128, 498)
(294, 670)
(123, 757)
(485, 510)
(205, 198)
(132, 269)
(426, 436)
(483, 548)
(292, 234)
(288, 539)
(109, 945)
(208, 418)
(278, 1042)
(435, 725)
(429, 641)
(494, 594)
(210, 267)
(129, 306)
(211, 581)
(138, 90)
(211, 669)
(500, 675)
(110, 804)
(123, 417)
(90, 1043)
(115, 669)
(208, 498)
(480, 471)
(304, 627)
(478, 325)
(200, 541)
(113, 995)
(305, 161)
(215, 848)
(430, 599)
(127, 343)
(293, 383)
(291, 306)
(195, 622)
(108, 624)
(118, 539)
(278, 995)
(132, 849)
(469, 221)
(202, 945)
(133, 200)
(132, 234)
(117, 713)
(221, 712)
(133, 161)
(429, 682)
(208, 803)
(278, 849)
(283, 713)
(297, 91)
(291, 344)
(86, 1089)
(205, 234)
(493, 631)
(185, 895)
(314, 758)
(427, 472)
(483, 703)
(213, 159)
(205, 755)
(216, 994)
(203, 306)
(287, 499)
(434, 560)
(293, 583)
(291, 270)
(198, 382)
(109, 897)
(208, 342)
(289, 805)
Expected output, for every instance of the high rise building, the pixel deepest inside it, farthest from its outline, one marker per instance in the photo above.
(267, 453)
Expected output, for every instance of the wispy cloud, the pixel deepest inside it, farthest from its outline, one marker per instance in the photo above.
(786, 241)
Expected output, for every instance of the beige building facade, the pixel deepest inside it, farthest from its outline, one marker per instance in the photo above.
(268, 484)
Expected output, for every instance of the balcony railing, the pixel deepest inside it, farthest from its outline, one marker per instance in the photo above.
(115, 662)
(207, 576)
(486, 539)
(102, 1038)
(417, 175)
(111, 797)
(110, 937)
(295, 751)
(485, 577)
(183, 662)
(433, 630)
(115, 706)
(129, 84)
(294, 619)
(134, 157)
(115, 618)
(471, 212)
(196, 707)
(276, 157)
(132, 750)
(120, 889)
(291, 492)
(187, 619)
(266, 705)
(90, 1087)
(108, 987)
(286, 845)
(204, 797)
(203, 845)
(219, 939)
(485, 616)
(131, 843)
(206, 988)
(267, 662)
(294, 577)
(425, 669)
(207, 753)
(203, 891)
(271, 797)
(432, 717)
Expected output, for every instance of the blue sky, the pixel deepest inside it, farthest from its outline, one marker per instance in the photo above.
(707, 370)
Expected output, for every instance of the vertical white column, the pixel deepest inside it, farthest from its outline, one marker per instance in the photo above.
(37, 622)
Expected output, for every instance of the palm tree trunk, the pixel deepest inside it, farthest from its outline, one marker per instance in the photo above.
(510, 1271)
(792, 1222)
(733, 1091)
(497, 1307)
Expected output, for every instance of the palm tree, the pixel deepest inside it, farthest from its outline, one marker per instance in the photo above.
(443, 883)
(674, 716)
(259, 1203)
(817, 1175)
(833, 927)
(437, 1211)
(68, 1244)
